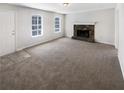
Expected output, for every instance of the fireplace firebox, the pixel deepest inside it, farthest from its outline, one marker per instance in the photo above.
(84, 32)
(81, 33)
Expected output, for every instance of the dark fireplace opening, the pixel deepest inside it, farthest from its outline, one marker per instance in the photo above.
(82, 33)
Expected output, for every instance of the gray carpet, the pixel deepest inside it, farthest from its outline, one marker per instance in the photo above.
(62, 64)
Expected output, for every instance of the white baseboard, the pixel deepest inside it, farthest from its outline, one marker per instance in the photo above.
(121, 65)
(19, 49)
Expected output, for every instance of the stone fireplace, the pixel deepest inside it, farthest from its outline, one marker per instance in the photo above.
(84, 32)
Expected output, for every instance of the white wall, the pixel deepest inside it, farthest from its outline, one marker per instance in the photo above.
(23, 25)
(24, 30)
(121, 36)
(104, 29)
(116, 28)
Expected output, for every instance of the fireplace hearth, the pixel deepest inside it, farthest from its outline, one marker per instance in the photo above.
(84, 32)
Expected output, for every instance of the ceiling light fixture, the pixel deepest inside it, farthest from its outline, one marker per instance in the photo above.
(65, 4)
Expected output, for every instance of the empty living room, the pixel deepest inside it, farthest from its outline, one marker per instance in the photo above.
(61, 46)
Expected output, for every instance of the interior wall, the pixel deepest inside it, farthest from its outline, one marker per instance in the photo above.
(121, 36)
(23, 25)
(104, 28)
(116, 28)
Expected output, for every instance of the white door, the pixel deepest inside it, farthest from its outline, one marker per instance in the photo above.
(7, 34)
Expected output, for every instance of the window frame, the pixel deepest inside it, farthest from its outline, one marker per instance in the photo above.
(37, 25)
(59, 24)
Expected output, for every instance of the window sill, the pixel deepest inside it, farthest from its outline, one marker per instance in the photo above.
(37, 36)
(57, 32)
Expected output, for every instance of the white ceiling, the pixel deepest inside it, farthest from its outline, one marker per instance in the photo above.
(71, 8)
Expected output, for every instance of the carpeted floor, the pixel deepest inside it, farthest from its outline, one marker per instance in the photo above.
(62, 64)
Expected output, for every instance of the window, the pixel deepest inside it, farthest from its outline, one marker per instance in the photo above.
(57, 24)
(37, 26)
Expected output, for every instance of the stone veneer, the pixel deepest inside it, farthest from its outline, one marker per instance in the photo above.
(89, 28)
